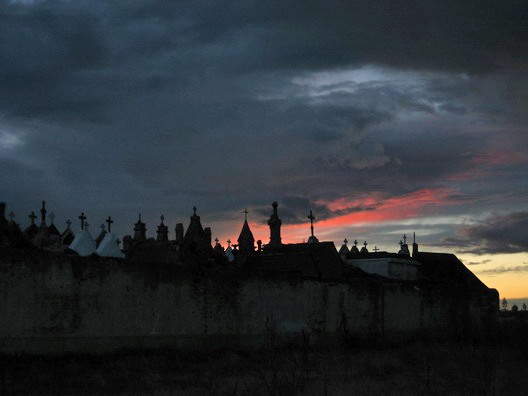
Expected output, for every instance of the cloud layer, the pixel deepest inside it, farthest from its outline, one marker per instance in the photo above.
(362, 113)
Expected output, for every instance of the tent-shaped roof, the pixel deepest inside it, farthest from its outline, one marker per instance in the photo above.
(83, 243)
(109, 248)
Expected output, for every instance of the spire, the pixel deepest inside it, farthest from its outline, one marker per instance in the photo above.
(246, 241)
(163, 231)
(195, 230)
(140, 230)
(43, 214)
(275, 223)
(414, 246)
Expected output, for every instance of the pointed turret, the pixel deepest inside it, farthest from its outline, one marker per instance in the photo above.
(415, 246)
(162, 232)
(195, 230)
(246, 241)
(344, 249)
(140, 230)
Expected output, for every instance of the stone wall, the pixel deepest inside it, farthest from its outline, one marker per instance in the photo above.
(55, 303)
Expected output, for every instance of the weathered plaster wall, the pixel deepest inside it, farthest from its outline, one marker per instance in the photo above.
(56, 304)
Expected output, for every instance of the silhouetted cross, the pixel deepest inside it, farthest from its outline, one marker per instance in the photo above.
(217, 240)
(68, 223)
(245, 211)
(32, 216)
(345, 241)
(365, 243)
(109, 221)
(375, 249)
(312, 218)
(82, 217)
(229, 243)
(355, 242)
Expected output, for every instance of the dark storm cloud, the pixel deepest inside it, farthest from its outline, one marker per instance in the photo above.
(295, 210)
(163, 104)
(494, 235)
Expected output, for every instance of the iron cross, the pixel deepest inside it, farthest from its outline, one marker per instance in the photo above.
(312, 218)
(82, 217)
(109, 221)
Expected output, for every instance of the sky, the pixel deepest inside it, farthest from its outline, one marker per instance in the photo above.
(385, 118)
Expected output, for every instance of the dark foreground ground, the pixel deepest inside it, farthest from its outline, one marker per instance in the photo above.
(497, 366)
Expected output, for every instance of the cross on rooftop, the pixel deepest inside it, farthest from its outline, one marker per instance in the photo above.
(365, 243)
(32, 216)
(312, 218)
(109, 222)
(355, 242)
(217, 240)
(82, 217)
(12, 217)
(245, 211)
(228, 242)
(345, 241)
(375, 249)
(52, 217)
(68, 223)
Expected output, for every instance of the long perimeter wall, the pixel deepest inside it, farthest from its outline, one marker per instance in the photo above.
(57, 304)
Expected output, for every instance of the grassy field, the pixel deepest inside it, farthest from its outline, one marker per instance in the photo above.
(490, 367)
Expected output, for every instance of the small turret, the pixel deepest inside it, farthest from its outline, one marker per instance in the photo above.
(275, 223)
(162, 232)
(140, 230)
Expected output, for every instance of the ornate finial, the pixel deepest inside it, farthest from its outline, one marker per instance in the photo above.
(194, 210)
(375, 249)
(82, 217)
(43, 212)
(404, 239)
(217, 240)
(52, 217)
(68, 224)
(109, 222)
(162, 218)
(312, 218)
(365, 243)
(355, 242)
(12, 217)
(32, 216)
(345, 241)
(245, 211)
(229, 243)
(139, 218)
